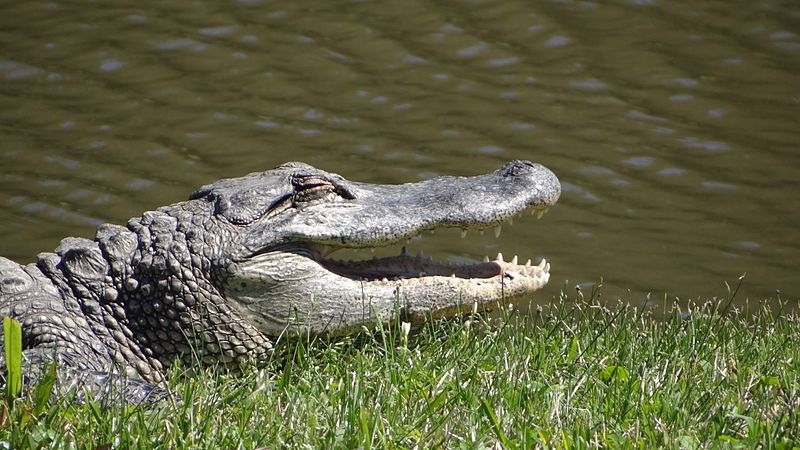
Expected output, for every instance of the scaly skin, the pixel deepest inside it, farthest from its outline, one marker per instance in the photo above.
(216, 279)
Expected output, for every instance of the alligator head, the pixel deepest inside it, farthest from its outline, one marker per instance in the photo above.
(288, 222)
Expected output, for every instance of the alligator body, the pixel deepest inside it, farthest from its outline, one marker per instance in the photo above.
(218, 278)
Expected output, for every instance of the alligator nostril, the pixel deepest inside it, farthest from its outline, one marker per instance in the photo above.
(518, 168)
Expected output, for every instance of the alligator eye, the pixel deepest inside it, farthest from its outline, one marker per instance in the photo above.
(308, 188)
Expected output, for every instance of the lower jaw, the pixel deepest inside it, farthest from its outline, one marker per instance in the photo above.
(438, 285)
(289, 291)
(433, 297)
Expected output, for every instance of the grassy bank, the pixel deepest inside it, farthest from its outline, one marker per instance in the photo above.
(566, 376)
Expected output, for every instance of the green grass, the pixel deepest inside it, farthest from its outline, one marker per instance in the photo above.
(576, 374)
(12, 339)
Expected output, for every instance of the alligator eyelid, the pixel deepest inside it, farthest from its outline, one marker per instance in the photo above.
(308, 182)
(301, 178)
(313, 185)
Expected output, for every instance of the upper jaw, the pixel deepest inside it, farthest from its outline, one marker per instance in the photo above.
(331, 227)
(380, 215)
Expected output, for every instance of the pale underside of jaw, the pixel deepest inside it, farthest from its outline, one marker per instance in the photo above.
(407, 267)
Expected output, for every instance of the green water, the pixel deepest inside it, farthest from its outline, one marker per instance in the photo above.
(674, 126)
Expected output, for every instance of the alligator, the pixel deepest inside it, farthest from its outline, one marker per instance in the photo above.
(219, 278)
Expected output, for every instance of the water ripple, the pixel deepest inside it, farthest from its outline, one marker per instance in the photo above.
(653, 115)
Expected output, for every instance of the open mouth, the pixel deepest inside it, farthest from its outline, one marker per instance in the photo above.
(299, 287)
(404, 266)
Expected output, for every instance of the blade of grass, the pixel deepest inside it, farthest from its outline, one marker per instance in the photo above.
(12, 332)
(44, 389)
(498, 430)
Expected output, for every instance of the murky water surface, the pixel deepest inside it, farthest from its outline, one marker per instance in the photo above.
(674, 126)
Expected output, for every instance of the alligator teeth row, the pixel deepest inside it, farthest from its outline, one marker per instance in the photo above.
(499, 228)
(543, 264)
(540, 273)
(499, 258)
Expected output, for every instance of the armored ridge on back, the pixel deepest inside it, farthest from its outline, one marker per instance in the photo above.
(216, 279)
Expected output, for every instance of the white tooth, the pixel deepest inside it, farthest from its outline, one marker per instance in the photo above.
(497, 231)
(430, 258)
(547, 269)
(452, 275)
(542, 263)
(403, 251)
(514, 260)
(384, 279)
(499, 257)
(463, 233)
(485, 259)
(528, 263)
(533, 211)
(547, 209)
(545, 278)
(539, 213)
(511, 220)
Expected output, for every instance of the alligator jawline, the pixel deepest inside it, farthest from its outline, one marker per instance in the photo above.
(404, 266)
